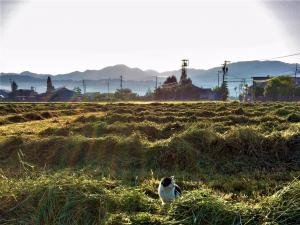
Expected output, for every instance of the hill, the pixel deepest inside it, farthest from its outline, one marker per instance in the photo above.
(144, 79)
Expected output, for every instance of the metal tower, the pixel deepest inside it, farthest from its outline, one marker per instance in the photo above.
(184, 65)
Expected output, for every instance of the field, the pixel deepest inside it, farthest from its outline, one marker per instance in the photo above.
(93, 163)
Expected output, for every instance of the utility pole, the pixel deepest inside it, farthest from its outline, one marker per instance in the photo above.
(219, 71)
(296, 71)
(225, 70)
(224, 87)
(108, 88)
(84, 86)
(121, 82)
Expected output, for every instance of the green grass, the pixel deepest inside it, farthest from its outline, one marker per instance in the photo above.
(90, 163)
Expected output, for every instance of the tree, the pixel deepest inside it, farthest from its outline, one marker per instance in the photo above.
(149, 95)
(297, 92)
(77, 90)
(98, 97)
(14, 87)
(171, 79)
(280, 88)
(258, 92)
(224, 91)
(125, 94)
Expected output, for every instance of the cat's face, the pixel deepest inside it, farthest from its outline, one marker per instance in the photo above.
(167, 182)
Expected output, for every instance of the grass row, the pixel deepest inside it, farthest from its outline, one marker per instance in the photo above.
(75, 198)
(197, 146)
(90, 163)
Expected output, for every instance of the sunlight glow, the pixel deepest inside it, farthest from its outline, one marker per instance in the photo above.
(63, 36)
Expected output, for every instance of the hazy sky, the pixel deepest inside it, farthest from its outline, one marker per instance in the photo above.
(60, 36)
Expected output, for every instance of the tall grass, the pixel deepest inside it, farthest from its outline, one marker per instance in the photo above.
(101, 163)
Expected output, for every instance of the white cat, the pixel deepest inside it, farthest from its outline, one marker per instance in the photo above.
(168, 190)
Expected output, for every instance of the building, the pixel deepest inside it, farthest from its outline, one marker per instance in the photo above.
(3, 94)
(22, 95)
(183, 90)
(257, 88)
(59, 95)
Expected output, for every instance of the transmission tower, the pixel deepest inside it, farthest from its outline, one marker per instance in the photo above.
(184, 65)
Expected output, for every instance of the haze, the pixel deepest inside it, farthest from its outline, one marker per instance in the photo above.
(63, 36)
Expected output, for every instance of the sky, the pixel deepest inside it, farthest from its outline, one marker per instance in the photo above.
(61, 36)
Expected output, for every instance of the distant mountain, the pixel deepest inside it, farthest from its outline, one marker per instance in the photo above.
(143, 79)
(238, 70)
(112, 72)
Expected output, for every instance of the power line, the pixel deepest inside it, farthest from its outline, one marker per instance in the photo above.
(265, 59)
(285, 56)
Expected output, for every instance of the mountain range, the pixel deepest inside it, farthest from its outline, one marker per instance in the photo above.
(141, 80)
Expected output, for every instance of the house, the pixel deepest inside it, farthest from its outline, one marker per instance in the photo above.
(184, 89)
(59, 95)
(23, 95)
(260, 82)
(207, 94)
(3, 94)
(257, 88)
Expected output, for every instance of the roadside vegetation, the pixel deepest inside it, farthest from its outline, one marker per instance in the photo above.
(92, 163)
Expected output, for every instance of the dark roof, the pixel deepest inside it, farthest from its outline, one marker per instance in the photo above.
(24, 92)
(262, 78)
(201, 90)
(58, 95)
(184, 92)
(91, 94)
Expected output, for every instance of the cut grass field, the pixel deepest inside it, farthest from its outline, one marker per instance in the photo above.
(90, 163)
